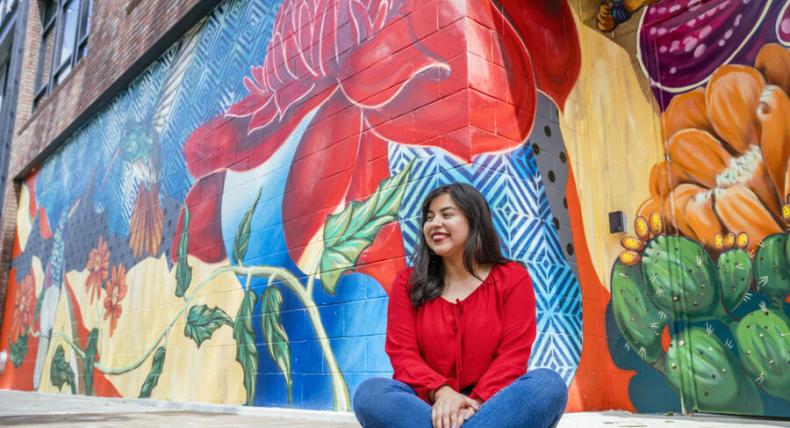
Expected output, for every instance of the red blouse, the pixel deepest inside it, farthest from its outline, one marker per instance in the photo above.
(482, 341)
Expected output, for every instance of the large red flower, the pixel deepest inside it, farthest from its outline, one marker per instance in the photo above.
(24, 307)
(460, 76)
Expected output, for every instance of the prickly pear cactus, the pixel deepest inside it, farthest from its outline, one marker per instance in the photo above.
(763, 338)
(735, 277)
(681, 277)
(771, 268)
(707, 375)
(661, 280)
(636, 316)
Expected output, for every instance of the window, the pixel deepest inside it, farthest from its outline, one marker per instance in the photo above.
(3, 80)
(65, 26)
(6, 7)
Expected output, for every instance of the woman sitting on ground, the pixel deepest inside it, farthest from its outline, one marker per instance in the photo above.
(460, 328)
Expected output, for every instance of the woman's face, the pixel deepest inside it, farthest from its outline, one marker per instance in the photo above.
(446, 228)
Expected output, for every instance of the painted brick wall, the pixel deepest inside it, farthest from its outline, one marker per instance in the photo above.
(122, 33)
(227, 227)
(384, 104)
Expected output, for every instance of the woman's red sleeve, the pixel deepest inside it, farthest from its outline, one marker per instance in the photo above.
(518, 335)
(401, 345)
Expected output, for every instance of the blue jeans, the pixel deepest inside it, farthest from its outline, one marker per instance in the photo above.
(535, 400)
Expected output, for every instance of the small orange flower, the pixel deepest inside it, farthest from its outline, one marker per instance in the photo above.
(98, 265)
(24, 306)
(116, 291)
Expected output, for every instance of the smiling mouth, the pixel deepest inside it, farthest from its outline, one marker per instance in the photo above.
(439, 237)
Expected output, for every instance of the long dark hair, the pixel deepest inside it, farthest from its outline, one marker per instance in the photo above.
(482, 245)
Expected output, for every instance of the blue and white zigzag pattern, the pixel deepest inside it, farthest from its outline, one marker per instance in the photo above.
(512, 185)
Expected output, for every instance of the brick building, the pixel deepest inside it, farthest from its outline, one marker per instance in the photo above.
(12, 32)
(209, 200)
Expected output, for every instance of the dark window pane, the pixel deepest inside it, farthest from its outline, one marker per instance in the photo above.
(83, 49)
(71, 11)
(85, 21)
(62, 74)
(50, 6)
(45, 59)
(3, 78)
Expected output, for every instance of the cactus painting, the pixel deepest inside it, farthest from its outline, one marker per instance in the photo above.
(664, 282)
(701, 293)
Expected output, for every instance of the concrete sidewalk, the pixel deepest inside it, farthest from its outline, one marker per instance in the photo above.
(45, 410)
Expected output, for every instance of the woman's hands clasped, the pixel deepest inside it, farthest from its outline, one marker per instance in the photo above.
(451, 409)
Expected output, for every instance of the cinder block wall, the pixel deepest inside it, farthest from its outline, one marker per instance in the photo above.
(214, 210)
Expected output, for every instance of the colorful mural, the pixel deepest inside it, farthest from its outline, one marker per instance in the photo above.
(227, 229)
(699, 305)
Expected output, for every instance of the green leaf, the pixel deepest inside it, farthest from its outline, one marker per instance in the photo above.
(348, 233)
(274, 334)
(19, 350)
(243, 232)
(90, 359)
(60, 372)
(39, 302)
(202, 321)
(153, 376)
(246, 351)
(183, 270)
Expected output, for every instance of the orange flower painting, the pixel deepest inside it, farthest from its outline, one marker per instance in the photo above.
(24, 306)
(98, 265)
(727, 150)
(116, 291)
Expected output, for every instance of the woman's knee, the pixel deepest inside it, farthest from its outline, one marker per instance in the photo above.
(370, 391)
(366, 390)
(552, 386)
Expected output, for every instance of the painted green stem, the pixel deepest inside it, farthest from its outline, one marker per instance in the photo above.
(152, 348)
(129, 367)
(65, 337)
(342, 398)
(311, 279)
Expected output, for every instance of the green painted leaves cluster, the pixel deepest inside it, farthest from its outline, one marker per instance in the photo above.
(90, 360)
(274, 334)
(19, 350)
(246, 352)
(349, 232)
(183, 270)
(202, 321)
(153, 376)
(242, 241)
(60, 372)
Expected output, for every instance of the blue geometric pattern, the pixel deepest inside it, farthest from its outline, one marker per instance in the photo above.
(233, 39)
(513, 187)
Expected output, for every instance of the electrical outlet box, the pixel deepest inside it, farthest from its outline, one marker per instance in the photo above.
(616, 222)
